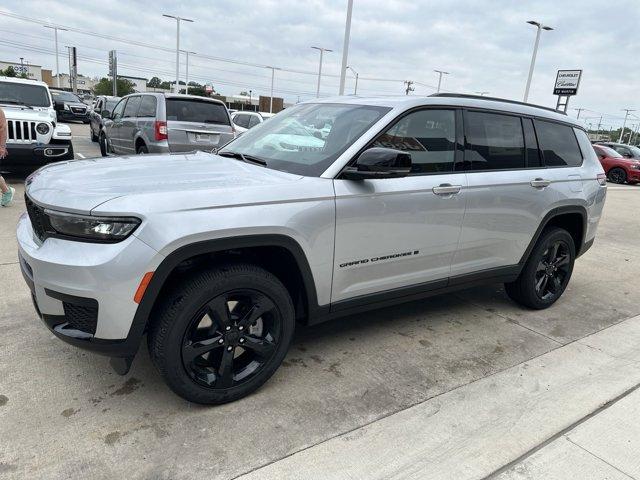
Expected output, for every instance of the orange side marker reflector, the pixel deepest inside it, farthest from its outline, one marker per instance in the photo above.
(144, 283)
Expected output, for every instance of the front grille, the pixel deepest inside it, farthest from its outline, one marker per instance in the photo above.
(39, 219)
(20, 131)
(80, 110)
(82, 317)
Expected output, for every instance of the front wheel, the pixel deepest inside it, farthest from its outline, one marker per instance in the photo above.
(102, 141)
(547, 271)
(221, 333)
(617, 175)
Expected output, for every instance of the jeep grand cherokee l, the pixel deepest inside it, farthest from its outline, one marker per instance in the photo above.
(216, 256)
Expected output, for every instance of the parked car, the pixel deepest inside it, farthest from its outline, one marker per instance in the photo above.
(163, 123)
(619, 169)
(103, 106)
(244, 120)
(627, 151)
(69, 107)
(216, 256)
(34, 137)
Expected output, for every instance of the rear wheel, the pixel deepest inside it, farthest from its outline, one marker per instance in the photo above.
(547, 271)
(222, 333)
(617, 175)
(94, 137)
(142, 149)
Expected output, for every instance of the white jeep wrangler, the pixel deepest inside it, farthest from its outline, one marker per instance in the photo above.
(34, 136)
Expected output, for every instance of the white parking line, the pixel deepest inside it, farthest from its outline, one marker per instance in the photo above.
(81, 155)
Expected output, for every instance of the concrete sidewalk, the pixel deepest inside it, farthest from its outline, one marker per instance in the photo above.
(515, 424)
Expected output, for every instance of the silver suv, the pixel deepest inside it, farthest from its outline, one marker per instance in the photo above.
(164, 123)
(216, 257)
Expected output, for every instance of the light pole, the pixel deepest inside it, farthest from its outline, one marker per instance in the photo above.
(624, 124)
(345, 47)
(440, 73)
(55, 36)
(482, 94)
(273, 72)
(540, 27)
(186, 73)
(178, 20)
(321, 50)
(355, 90)
(250, 101)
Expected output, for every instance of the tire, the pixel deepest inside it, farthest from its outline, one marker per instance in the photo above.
(195, 333)
(94, 137)
(540, 285)
(617, 175)
(103, 144)
(142, 149)
(70, 154)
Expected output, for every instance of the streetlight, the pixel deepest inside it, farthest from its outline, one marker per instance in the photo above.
(55, 36)
(178, 20)
(482, 94)
(540, 27)
(345, 47)
(273, 72)
(321, 50)
(250, 101)
(355, 90)
(440, 73)
(187, 53)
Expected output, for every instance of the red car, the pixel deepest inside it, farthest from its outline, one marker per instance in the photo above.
(619, 169)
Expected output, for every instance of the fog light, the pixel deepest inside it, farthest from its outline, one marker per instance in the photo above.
(48, 151)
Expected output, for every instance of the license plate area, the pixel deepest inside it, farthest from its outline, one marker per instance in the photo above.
(208, 138)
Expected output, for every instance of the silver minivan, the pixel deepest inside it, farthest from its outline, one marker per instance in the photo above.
(165, 123)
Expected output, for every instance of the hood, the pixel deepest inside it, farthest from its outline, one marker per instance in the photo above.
(81, 185)
(16, 112)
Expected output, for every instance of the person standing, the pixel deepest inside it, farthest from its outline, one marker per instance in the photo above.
(7, 191)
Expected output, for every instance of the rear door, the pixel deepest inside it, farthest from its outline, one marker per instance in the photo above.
(507, 192)
(197, 124)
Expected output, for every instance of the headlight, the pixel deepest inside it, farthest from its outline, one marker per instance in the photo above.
(42, 128)
(66, 107)
(101, 229)
(635, 166)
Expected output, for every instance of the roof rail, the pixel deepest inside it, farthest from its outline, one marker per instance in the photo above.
(495, 99)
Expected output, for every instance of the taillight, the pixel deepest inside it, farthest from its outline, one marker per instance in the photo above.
(160, 129)
(602, 179)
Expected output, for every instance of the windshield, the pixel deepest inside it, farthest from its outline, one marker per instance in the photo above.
(307, 138)
(62, 96)
(24, 94)
(201, 111)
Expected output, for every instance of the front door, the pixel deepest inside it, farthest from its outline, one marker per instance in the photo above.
(401, 232)
(114, 127)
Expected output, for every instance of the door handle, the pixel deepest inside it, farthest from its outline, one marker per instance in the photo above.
(540, 183)
(447, 189)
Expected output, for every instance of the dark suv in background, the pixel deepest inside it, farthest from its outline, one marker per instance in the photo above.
(69, 107)
(164, 123)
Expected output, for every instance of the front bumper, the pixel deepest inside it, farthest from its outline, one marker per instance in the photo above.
(76, 117)
(80, 287)
(30, 156)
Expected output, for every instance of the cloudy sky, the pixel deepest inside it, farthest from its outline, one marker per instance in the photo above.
(486, 45)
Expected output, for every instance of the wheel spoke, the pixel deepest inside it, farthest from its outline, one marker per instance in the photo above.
(219, 311)
(542, 283)
(564, 260)
(557, 285)
(262, 306)
(193, 350)
(542, 266)
(225, 371)
(260, 346)
(553, 252)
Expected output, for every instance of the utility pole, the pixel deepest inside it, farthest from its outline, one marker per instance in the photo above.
(440, 73)
(535, 52)
(409, 88)
(55, 36)
(178, 20)
(186, 73)
(345, 47)
(579, 111)
(355, 90)
(273, 72)
(635, 134)
(624, 124)
(321, 50)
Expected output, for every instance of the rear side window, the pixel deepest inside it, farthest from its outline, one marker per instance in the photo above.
(494, 142)
(253, 121)
(201, 111)
(558, 144)
(428, 135)
(131, 110)
(241, 120)
(147, 106)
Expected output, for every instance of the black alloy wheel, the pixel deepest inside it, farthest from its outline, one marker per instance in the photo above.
(617, 175)
(231, 338)
(553, 271)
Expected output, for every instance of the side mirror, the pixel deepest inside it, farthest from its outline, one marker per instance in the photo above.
(105, 114)
(378, 162)
(58, 105)
(627, 155)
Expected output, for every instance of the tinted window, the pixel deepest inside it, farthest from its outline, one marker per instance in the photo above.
(253, 121)
(62, 96)
(117, 111)
(147, 106)
(428, 135)
(189, 110)
(109, 104)
(494, 142)
(131, 110)
(24, 94)
(558, 144)
(533, 159)
(241, 120)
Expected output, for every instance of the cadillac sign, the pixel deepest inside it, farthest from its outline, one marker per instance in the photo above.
(567, 82)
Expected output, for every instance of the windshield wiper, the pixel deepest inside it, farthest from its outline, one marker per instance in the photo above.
(15, 102)
(243, 157)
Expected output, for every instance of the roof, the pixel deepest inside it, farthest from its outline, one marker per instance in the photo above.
(22, 80)
(404, 102)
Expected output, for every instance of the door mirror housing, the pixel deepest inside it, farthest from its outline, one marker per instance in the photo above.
(379, 162)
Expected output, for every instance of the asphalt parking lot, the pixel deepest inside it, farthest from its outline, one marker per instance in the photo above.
(460, 386)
